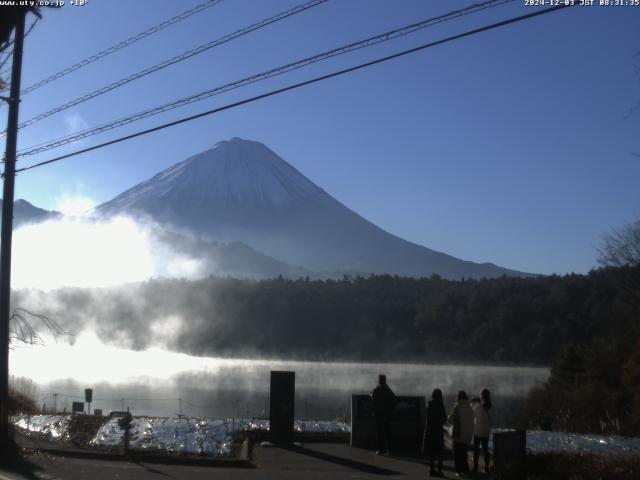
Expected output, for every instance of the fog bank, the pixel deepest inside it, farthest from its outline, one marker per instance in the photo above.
(83, 252)
(152, 381)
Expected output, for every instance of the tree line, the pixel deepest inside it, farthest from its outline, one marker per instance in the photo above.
(586, 327)
(379, 318)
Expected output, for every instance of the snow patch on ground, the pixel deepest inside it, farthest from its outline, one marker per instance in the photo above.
(316, 426)
(547, 442)
(213, 437)
(177, 436)
(174, 436)
(55, 427)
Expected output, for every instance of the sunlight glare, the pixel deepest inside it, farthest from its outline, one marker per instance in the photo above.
(74, 252)
(75, 206)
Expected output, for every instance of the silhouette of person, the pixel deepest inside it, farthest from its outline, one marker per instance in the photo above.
(461, 417)
(383, 400)
(482, 429)
(433, 438)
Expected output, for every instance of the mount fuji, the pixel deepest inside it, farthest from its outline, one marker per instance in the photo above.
(240, 190)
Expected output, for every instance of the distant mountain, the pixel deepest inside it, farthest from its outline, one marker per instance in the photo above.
(24, 213)
(240, 190)
(235, 259)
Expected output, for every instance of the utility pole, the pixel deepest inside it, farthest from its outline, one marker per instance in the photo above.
(7, 227)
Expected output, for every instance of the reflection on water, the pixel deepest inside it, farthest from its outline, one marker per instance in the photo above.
(166, 383)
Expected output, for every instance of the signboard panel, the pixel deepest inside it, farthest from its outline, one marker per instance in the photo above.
(408, 409)
(407, 422)
(77, 407)
(364, 407)
(509, 453)
(88, 394)
(281, 406)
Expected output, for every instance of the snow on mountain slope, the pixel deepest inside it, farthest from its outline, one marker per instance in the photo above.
(240, 190)
(237, 171)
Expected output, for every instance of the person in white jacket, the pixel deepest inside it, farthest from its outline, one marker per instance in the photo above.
(482, 429)
(461, 417)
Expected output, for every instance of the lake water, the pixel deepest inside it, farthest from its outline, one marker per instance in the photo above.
(158, 382)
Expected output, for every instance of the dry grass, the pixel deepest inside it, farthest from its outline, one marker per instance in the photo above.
(21, 403)
(572, 466)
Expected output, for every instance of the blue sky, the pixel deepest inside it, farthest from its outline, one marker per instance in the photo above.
(513, 146)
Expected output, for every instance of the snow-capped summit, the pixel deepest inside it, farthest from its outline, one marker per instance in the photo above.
(240, 190)
(232, 171)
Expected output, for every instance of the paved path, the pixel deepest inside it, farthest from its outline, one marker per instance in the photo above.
(314, 461)
(335, 461)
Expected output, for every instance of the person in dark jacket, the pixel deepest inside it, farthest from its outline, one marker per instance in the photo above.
(383, 400)
(433, 438)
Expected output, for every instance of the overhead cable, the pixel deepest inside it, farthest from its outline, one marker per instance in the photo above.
(121, 45)
(178, 58)
(302, 84)
(384, 37)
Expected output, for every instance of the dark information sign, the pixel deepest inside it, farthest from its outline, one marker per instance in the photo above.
(281, 406)
(407, 422)
(77, 407)
(510, 453)
(405, 409)
(408, 409)
(364, 407)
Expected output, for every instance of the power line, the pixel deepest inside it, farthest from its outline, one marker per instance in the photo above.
(205, 407)
(121, 45)
(178, 58)
(10, 55)
(128, 399)
(31, 27)
(262, 76)
(6, 45)
(302, 84)
(4, 60)
(387, 36)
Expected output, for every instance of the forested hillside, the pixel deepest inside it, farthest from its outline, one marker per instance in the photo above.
(380, 318)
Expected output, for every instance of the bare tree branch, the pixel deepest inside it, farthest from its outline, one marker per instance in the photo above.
(21, 328)
(621, 249)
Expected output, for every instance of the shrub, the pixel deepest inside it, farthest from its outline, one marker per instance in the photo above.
(573, 466)
(21, 403)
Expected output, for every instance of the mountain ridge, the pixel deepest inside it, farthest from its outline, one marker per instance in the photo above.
(25, 213)
(241, 190)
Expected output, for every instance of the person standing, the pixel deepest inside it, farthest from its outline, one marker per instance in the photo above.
(482, 429)
(383, 400)
(461, 417)
(433, 438)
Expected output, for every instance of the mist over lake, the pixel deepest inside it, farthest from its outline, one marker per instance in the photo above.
(153, 382)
